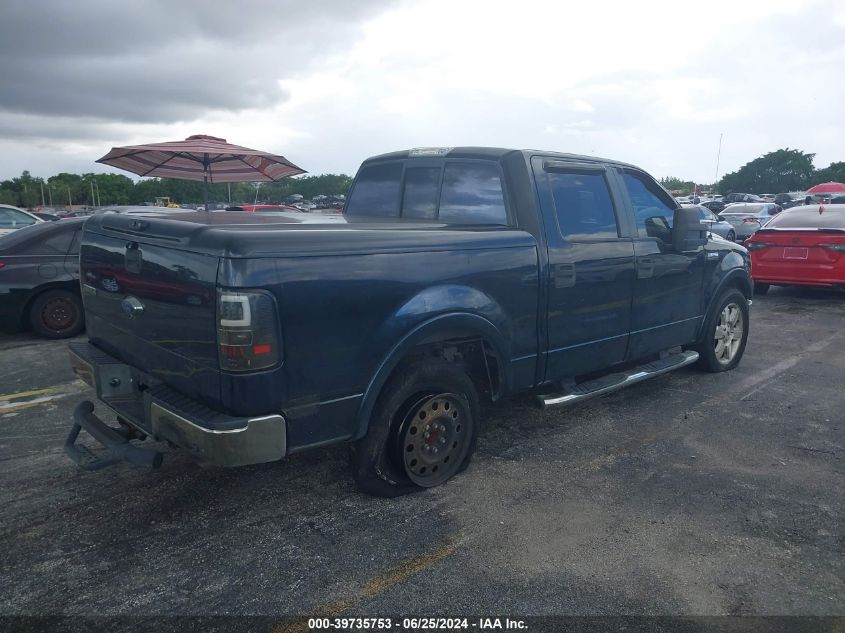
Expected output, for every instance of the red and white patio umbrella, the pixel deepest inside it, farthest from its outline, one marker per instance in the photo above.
(202, 158)
(827, 187)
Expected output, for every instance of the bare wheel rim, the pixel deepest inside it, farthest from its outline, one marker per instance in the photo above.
(434, 438)
(58, 314)
(729, 332)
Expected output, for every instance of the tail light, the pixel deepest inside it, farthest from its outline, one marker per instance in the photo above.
(756, 246)
(839, 248)
(2, 265)
(750, 221)
(247, 330)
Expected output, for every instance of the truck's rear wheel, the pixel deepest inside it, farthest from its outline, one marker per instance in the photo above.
(422, 431)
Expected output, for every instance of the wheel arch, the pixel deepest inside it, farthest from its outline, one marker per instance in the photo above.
(450, 329)
(734, 278)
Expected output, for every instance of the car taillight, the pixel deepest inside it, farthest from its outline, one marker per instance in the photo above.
(839, 248)
(2, 265)
(247, 330)
(756, 246)
(750, 221)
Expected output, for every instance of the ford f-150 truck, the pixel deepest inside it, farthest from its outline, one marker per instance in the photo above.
(453, 275)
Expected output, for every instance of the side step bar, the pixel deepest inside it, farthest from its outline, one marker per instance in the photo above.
(614, 382)
(117, 444)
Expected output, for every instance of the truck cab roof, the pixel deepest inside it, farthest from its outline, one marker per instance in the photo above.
(489, 153)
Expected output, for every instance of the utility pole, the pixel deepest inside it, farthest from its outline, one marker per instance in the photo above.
(718, 156)
(43, 203)
(50, 193)
(69, 199)
(93, 199)
(97, 187)
(229, 187)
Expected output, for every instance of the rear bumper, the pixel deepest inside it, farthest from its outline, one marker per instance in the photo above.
(208, 435)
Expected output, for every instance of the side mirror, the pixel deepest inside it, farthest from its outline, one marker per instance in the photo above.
(688, 232)
(721, 217)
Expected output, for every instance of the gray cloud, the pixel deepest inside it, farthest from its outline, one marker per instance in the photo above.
(163, 61)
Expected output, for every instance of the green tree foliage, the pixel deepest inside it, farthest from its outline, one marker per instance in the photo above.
(92, 189)
(189, 191)
(775, 172)
(835, 172)
(672, 183)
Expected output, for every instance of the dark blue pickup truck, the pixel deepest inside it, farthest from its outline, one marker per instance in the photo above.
(453, 275)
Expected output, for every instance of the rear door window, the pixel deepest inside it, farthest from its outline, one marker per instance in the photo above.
(472, 194)
(56, 244)
(583, 205)
(376, 191)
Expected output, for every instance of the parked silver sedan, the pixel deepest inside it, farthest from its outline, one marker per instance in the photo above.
(747, 218)
(714, 224)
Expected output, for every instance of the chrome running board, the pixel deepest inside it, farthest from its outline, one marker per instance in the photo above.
(614, 382)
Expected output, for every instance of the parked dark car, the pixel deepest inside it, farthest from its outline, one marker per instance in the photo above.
(45, 216)
(454, 275)
(741, 197)
(791, 199)
(715, 206)
(39, 279)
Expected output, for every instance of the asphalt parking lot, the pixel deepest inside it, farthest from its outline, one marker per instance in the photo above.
(691, 494)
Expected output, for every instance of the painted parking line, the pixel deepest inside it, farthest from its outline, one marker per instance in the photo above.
(763, 378)
(375, 587)
(14, 402)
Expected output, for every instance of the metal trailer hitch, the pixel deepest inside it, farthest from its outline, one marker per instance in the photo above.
(116, 441)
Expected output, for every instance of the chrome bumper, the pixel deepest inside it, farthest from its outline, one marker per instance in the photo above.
(208, 435)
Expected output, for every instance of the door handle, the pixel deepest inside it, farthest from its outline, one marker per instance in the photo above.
(563, 275)
(645, 267)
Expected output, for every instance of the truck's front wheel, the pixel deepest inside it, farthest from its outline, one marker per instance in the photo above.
(422, 431)
(725, 333)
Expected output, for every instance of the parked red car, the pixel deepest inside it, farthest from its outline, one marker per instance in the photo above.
(802, 246)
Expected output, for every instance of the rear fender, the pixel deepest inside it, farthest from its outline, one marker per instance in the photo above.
(442, 327)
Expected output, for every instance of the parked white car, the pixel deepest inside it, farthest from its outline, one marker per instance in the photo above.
(13, 218)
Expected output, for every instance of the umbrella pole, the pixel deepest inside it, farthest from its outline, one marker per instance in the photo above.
(205, 191)
(205, 165)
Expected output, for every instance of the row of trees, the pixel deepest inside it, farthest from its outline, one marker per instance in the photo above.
(64, 189)
(781, 171)
(776, 172)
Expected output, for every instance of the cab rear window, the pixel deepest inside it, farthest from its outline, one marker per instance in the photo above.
(455, 192)
(376, 191)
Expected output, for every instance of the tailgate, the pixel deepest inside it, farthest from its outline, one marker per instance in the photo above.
(151, 304)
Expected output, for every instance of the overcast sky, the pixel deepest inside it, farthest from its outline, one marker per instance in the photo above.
(328, 83)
